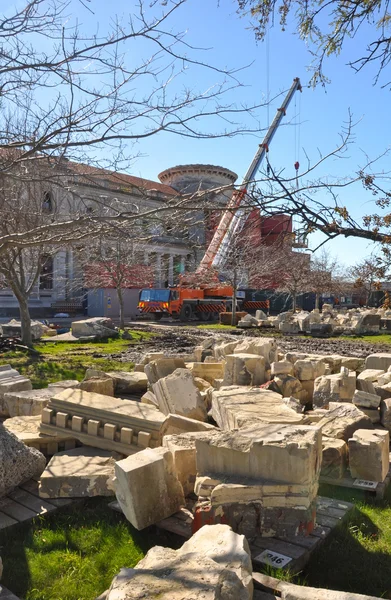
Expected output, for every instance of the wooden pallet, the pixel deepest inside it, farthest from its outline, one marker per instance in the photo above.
(24, 504)
(285, 553)
(374, 488)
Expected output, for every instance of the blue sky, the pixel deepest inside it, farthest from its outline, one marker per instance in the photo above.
(231, 44)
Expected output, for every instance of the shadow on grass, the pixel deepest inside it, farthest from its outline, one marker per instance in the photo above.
(36, 553)
(349, 561)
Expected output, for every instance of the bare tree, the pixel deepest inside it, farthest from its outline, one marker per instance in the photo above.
(325, 276)
(367, 275)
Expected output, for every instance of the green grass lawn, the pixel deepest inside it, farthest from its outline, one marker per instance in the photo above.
(72, 554)
(53, 361)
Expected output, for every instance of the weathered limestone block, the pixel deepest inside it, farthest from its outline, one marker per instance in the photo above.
(247, 321)
(14, 329)
(147, 487)
(290, 327)
(308, 386)
(334, 457)
(221, 350)
(290, 386)
(384, 391)
(384, 379)
(367, 323)
(6, 371)
(334, 388)
(225, 547)
(269, 494)
(372, 413)
(343, 421)
(174, 575)
(366, 400)
(66, 383)
(244, 369)
(27, 430)
(156, 369)
(235, 407)
(100, 327)
(369, 454)
(385, 413)
(303, 319)
(79, 473)
(208, 371)
(266, 347)
(178, 394)
(287, 454)
(183, 450)
(352, 363)
(16, 383)
(28, 403)
(294, 404)
(281, 368)
(202, 384)
(98, 385)
(150, 398)
(379, 361)
(366, 378)
(306, 370)
(18, 462)
(176, 424)
(129, 383)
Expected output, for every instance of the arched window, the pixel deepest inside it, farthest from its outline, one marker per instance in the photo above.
(47, 204)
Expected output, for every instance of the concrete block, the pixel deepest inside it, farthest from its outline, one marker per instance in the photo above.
(147, 487)
(369, 454)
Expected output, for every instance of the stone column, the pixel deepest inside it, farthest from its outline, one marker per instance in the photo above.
(59, 275)
(159, 269)
(170, 270)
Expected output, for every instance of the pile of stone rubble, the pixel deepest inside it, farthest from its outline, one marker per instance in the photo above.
(243, 429)
(330, 320)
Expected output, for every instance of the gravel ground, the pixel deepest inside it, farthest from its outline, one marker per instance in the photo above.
(177, 339)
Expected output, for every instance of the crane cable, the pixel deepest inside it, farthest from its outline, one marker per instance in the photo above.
(297, 125)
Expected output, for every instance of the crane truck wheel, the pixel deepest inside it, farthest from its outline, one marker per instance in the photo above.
(186, 313)
(203, 316)
(157, 316)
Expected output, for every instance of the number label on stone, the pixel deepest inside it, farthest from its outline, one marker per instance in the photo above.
(274, 559)
(364, 483)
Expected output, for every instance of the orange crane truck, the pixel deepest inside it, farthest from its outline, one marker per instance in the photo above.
(193, 297)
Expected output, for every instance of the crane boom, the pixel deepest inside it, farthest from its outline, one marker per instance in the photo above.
(230, 220)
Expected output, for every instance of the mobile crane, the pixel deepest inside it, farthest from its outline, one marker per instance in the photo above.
(200, 294)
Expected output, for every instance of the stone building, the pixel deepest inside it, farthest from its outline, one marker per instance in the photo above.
(60, 285)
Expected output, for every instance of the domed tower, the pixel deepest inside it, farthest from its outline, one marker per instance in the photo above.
(189, 179)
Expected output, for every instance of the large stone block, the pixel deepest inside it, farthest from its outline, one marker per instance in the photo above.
(283, 367)
(176, 424)
(334, 457)
(366, 400)
(266, 347)
(129, 383)
(342, 421)
(244, 369)
(224, 348)
(306, 370)
(209, 371)
(379, 361)
(339, 387)
(385, 413)
(27, 403)
(366, 378)
(27, 430)
(18, 463)
(235, 407)
(213, 567)
(287, 454)
(16, 383)
(225, 547)
(369, 454)
(100, 327)
(178, 394)
(290, 386)
(79, 473)
(147, 487)
(162, 367)
(98, 385)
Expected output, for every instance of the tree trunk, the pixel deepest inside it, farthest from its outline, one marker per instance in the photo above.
(317, 297)
(294, 299)
(25, 320)
(121, 309)
(233, 319)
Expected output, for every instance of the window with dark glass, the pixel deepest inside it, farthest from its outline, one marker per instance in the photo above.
(46, 274)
